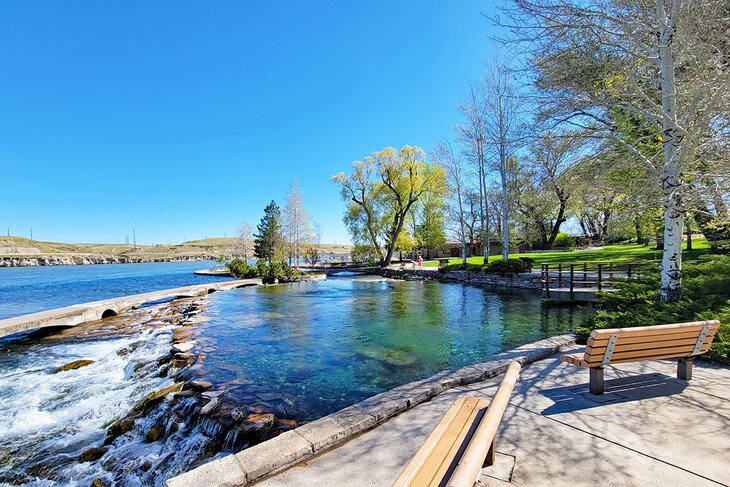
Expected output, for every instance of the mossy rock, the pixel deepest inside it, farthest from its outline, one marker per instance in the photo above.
(100, 483)
(119, 428)
(76, 364)
(154, 398)
(92, 454)
(154, 433)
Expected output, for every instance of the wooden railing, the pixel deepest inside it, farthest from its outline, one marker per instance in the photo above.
(572, 275)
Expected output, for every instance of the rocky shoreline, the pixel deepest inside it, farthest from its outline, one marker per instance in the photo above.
(53, 260)
(168, 416)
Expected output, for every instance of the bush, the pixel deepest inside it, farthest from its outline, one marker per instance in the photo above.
(564, 240)
(268, 272)
(705, 296)
(501, 267)
(505, 267)
(242, 270)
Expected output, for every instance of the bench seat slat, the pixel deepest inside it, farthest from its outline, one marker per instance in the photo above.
(654, 330)
(629, 339)
(648, 354)
(430, 464)
(631, 347)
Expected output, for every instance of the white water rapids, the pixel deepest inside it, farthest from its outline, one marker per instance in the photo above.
(48, 418)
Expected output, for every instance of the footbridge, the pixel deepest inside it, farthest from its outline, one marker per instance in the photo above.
(81, 313)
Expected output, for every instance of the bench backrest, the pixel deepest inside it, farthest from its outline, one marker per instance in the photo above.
(650, 342)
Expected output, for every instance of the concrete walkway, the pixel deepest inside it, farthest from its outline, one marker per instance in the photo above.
(649, 429)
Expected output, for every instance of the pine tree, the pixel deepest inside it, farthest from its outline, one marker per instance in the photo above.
(268, 238)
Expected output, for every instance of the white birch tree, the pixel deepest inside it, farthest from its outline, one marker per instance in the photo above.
(663, 63)
(297, 229)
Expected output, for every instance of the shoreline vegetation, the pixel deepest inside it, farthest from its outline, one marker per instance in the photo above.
(23, 252)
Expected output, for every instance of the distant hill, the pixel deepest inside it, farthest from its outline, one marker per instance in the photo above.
(18, 247)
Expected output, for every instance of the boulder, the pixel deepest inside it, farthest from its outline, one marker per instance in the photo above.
(256, 423)
(119, 428)
(92, 454)
(286, 424)
(200, 385)
(154, 433)
(154, 398)
(76, 364)
(183, 347)
(211, 406)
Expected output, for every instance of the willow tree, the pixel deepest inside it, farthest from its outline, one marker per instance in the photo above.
(665, 62)
(381, 193)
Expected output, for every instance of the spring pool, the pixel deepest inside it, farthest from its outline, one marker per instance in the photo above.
(308, 349)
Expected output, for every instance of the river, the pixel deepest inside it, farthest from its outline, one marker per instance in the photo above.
(269, 357)
(29, 289)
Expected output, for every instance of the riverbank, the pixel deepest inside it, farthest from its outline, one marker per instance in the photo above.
(23, 252)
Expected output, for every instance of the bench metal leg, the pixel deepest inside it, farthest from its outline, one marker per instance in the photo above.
(596, 380)
(684, 369)
(489, 461)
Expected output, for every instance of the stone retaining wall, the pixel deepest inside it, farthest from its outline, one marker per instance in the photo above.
(312, 438)
(523, 281)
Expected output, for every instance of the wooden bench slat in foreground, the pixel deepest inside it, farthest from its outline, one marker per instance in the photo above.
(684, 341)
(462, 442)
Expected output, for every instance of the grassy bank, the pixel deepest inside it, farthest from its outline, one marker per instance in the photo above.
(705, 296)
(609, 253)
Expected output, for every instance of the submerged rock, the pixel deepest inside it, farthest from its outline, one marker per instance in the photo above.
(76, 364)
(200, 385)
(155, 397)
(92, 454)
(154, 433)
(256, 423)
(119, 428)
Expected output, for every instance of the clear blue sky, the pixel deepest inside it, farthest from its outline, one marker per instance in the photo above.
(182, 119)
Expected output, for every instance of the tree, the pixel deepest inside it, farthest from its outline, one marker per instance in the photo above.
(664, 62)
(444, 156)
(545, 189)
(430, 233)
(472, 133)
(381, 193)
(268, 241)
(501, 129)
(243, 243)
(296, 228)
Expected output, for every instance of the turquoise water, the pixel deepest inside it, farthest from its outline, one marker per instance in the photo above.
(305, 350)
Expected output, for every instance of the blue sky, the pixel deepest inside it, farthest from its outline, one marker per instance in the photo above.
(182, 119)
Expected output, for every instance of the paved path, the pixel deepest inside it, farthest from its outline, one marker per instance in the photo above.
(649, 429)
(82, 313)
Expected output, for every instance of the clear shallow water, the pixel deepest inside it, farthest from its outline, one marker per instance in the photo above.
(305, 350)
(30, 289)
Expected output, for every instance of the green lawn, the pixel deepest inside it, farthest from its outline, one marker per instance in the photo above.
(609, 253)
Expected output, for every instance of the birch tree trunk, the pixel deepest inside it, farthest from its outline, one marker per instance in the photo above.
(671, 266)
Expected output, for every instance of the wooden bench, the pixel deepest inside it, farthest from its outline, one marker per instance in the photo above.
(443, 263)
(462, 442)
(684, 341)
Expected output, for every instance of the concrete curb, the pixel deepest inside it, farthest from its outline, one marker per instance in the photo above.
(296, 445)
